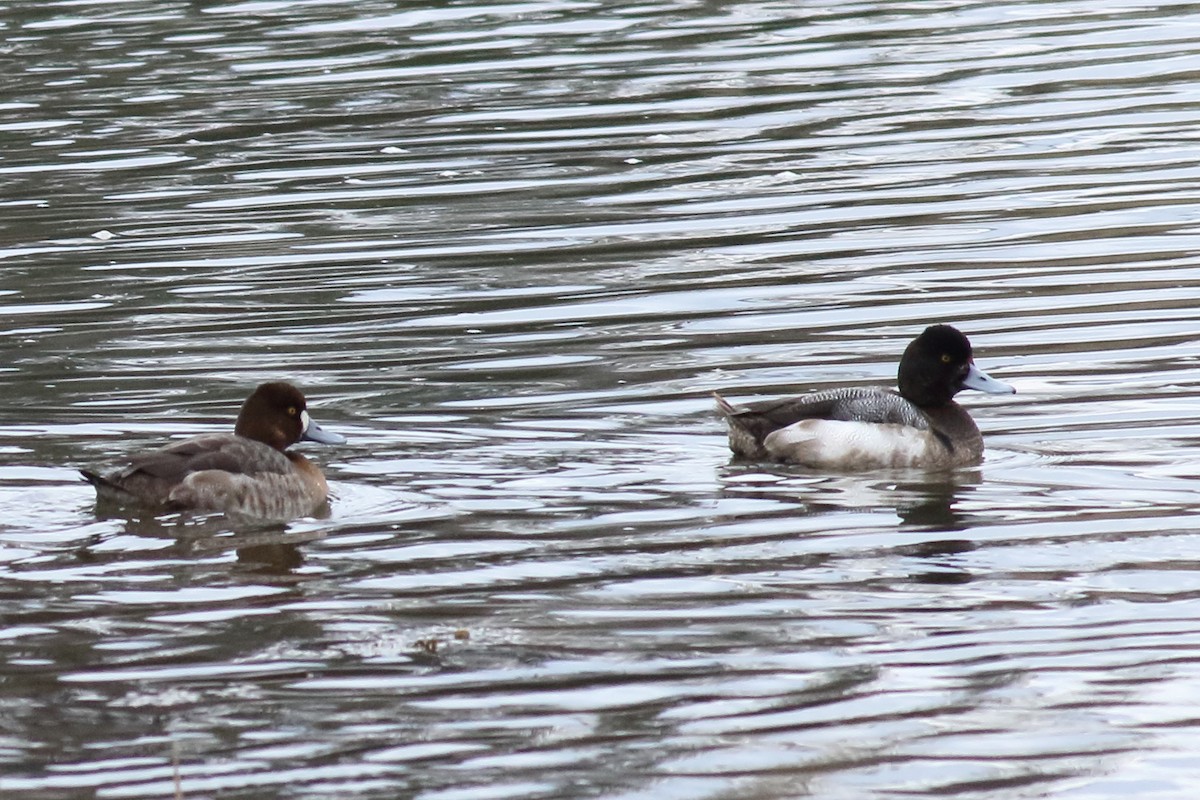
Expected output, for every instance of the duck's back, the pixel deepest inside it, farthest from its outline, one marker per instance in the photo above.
(853, 428)
(217, 472)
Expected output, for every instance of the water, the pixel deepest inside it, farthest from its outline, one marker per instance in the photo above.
(509, 251)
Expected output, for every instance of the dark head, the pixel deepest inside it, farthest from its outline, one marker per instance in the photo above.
(938, 365)
(276, 415)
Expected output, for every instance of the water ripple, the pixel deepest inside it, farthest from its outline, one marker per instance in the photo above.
(510, 250)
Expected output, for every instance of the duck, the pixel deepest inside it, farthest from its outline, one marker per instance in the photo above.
(248, 473)
(863, 428)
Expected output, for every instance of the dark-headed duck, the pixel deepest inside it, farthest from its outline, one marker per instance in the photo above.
(870, 428)
(248, 472)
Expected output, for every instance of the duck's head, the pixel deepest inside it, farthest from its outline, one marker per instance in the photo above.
(277, 415)
(938, 364)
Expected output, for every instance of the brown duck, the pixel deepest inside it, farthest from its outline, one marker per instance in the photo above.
(247, 473)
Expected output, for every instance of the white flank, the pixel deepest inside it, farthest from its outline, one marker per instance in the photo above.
(834, 444)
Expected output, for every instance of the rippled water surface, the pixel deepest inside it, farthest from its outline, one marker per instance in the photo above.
(509, 251)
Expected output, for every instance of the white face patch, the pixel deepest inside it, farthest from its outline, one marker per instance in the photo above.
(304, 422)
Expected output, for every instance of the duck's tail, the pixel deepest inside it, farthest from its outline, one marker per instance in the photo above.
(742, 426)
(95, 478)
(724, 406)
(106, 488)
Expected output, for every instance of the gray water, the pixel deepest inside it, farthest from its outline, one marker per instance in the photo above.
(509, 251)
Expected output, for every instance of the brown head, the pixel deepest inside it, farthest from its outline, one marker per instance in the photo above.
(277, 415)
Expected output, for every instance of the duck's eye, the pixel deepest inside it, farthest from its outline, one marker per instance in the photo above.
(292, 411)
(946, 359)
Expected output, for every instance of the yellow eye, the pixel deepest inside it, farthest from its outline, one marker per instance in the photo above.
(946, 359)
(292, 410)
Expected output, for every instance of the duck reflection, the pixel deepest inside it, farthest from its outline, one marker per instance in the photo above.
(261, 548)
(934, 504)
(920, 500)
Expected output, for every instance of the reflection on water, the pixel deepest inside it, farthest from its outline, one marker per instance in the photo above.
(510, 251)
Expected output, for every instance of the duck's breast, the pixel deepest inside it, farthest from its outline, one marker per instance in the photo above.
(298, 491)
(841, 445)
(949, 438)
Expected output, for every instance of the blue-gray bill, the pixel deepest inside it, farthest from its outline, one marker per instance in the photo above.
(980, 381)
(315, 433)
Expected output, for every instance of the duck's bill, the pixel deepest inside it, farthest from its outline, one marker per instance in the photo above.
(980, 381)
(315, 433)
